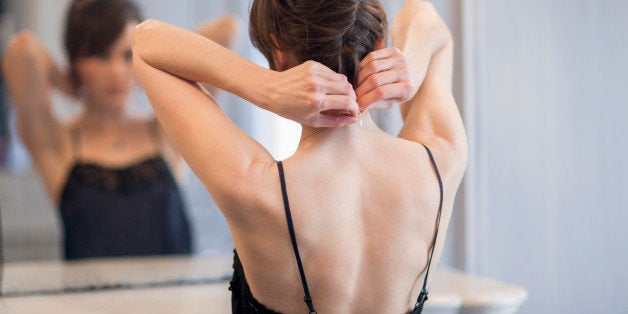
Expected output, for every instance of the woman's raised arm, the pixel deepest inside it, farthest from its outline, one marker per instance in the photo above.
(431, 117)
(31, 75)
(303, 94)
(169, 61)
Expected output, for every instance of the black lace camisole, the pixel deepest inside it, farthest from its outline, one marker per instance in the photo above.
(128, 211)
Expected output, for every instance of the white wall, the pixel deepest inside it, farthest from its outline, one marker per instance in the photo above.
(547, 113)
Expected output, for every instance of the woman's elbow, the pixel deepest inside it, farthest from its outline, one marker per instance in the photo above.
(22, 45)
(23, 41)
(140, 37)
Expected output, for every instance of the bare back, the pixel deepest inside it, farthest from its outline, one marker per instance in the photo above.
(364, 206)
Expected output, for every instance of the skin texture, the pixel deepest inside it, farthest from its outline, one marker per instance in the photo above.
(108, 136)
(364, 203)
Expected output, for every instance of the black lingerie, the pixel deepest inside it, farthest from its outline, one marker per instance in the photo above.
(129, 211)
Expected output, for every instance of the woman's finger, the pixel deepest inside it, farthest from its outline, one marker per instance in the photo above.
(380, 65)
(340, 104)
(336, 88)
(389, 94)
(381, 78)
(379, 54)
(328, 120)
(320, 70)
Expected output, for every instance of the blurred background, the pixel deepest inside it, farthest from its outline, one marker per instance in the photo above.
(542, 89)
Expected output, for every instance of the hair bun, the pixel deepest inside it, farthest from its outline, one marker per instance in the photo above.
(338, 34)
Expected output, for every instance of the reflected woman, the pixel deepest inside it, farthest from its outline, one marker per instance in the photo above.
(356, 217)
(106, 171)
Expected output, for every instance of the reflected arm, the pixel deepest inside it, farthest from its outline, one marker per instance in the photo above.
(31, 75)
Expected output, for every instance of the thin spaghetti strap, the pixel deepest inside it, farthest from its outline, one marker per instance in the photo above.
(293, 238)
(418, 307)
(75, 137)
(153, 131)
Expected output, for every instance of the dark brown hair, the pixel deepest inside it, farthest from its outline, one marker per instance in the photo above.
(336, 33)
(93, 26)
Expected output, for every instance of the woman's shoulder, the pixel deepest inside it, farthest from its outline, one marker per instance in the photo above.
(450, 160)
(414, 164)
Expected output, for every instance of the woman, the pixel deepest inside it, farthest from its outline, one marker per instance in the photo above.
(350, 219)
(105, 170)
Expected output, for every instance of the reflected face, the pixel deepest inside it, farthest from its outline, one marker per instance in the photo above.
(107, 80)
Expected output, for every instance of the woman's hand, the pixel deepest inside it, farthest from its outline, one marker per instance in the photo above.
(385, 80)
(315, 95)
(388, 77)
(312, 94)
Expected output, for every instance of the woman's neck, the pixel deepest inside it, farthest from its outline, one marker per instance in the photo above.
(312, 136)
(96, 117)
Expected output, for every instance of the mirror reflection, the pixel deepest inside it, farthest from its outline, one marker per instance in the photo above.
(87, 172)
(88, 177)
(110, 174)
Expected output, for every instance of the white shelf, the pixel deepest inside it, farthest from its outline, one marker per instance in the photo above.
(197, 285)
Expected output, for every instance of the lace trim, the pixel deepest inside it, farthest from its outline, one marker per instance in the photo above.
(111, 179)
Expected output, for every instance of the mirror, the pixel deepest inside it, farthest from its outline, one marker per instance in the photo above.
(32, 225)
